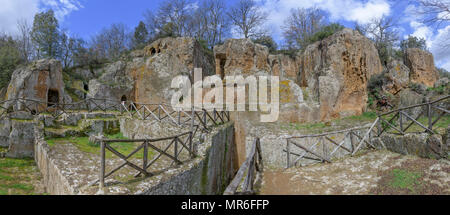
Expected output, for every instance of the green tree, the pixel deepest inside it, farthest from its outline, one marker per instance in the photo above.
(45, 34)
(267, 41)
(10, 57)
(413, 42)
(325, 32)
(140, 35)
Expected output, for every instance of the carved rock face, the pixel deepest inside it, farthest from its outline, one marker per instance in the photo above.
(336, 71)
(421, 64)
(41, 80)
(147, 76)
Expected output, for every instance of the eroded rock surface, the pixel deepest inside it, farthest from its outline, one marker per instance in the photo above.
(147, 75)
(336, 71)
(41, 80)
(421, 64)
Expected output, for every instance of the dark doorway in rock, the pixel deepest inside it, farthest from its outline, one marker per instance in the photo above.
(222, 59)
(52, 97)
(86, 87)
(153, 51)
(123, 99)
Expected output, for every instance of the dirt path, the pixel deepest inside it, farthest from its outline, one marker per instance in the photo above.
(378, 172)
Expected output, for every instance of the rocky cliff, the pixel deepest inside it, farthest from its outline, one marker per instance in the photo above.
(41, 81)
(146, 75)
(336, 71)
(421, 65)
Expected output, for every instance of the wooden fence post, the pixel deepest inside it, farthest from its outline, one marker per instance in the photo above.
(192, 119)
(191, 148)
(145, 161)
(430, 116)
(288, 149)
(159, 112)
(102, 164)
(176, 148)
(400, 118)
(379, 127)
(204, 117)
(351, 141)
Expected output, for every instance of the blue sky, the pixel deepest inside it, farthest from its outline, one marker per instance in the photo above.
(85, 18)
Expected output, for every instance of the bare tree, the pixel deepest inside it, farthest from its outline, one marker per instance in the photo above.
(248, 18)
(151, 24)
(174, 17)
(210, 21)
(24, 40)
(301, 25)
(111, 42)
(383, 32)
(434, 11)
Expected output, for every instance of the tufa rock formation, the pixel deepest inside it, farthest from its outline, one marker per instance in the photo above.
(421, 65)
(336, 71)
(147, 76)
(41, 80)
(397, 77)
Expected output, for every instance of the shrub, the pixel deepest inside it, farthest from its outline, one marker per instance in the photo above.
(376, 83)
(326, 32)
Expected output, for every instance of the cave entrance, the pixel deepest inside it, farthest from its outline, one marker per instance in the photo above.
(123, 99)
(86, 87)
(52, 97)
(221, 60)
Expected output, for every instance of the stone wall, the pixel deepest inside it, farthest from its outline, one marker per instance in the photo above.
(210, 173)
(54, 182)
(422, 145)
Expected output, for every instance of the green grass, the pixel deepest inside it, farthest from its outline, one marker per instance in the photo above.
(17, 176)
(83, 144)
(347, 122)
(403, 179)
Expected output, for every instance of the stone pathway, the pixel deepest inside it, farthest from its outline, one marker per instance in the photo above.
(376, 172)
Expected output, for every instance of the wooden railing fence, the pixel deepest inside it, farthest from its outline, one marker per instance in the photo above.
(396, 120)
(244, 181)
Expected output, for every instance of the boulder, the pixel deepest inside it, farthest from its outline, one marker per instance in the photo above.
(336, 70)
(397, 77)
(421, 65)
(21, 139)
(41, 80)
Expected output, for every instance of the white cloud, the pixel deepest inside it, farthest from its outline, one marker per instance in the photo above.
(422, 31)
(348, 10)
(11, 11)
(440, 47)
